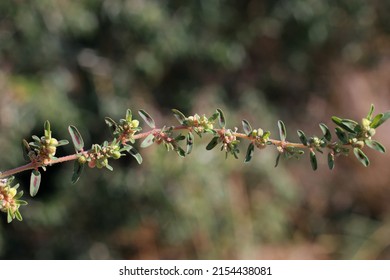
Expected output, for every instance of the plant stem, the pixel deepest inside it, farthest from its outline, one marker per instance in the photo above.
(72, 157)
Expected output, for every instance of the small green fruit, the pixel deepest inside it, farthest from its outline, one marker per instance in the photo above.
(116, 155)
(134, 123)
(53, 142)
(82, 159)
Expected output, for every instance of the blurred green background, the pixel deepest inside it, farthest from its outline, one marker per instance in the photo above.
(302, 61)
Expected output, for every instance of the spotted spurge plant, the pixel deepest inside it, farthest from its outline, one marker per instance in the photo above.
(40, 152)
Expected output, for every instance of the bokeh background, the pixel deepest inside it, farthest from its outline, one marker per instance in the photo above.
(302, 61)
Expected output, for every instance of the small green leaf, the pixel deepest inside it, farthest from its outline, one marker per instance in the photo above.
(343, 137)
(212, 143)
(376, 120)
(180, 152)
(302, 137)
(147, 118)
(361, 157)
(214, 117)
(282, 131)
(380, 119)
(21, 202)
(111, 123)
(313, 160)
(18, 215)
(179, 116)
(109, 167)
(26, 149)
(345, 124)
(247, 127)
(331, 160)
(9, 216)
(129, 115)
(221, 118)
(369, 115)
(375, 145)
(35, 182)
(249, 152)
(326, 132)
(385, 117)
(62, 143)
(180, 138)
(190, 142)
(132, 151)
(77, 140)
(277, 160)
(47, 130)
(77, 170)
(149, 140)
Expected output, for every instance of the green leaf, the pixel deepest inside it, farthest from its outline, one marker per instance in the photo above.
(375, 145)
(282, 130)
(385, 117)
(180, 152)
(18, 215)
(62, 143)
(109, 167)
(277, 160)
(147, 118)
(361, 157)
(247, 127)
(35, 182)
(21, 202)
(9, 216)
(331, 160)
(249, 152)
(221, 118)
(380, 119)
(149, 140)
(77, 140)
(47, 130)
(129, 115)
(376, 121)
(133, 151)
(369, 115)
(345, 124)
(77, 170)
(214, 117)
(326, 132)
(343, 137)
(190, 142)
(111, 123)
(179, 116)
(302, 137)
(26, 149)
(313, 160)
(212, 143)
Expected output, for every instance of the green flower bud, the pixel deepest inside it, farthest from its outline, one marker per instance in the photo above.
(82, 159)
(366, 123)
(51, 150)
(53, 142)
(134, 123)
(116, 155)
(371, 132)
(12, 192)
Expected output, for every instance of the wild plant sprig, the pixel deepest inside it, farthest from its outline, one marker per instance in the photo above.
(350, 135)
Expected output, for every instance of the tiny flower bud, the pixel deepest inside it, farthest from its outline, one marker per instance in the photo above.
(134, 123)
(82, 159)
(116, 155)
(53, 142)
(366, 123)
(12, 192)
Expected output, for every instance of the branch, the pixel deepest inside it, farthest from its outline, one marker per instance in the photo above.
(41, 151)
